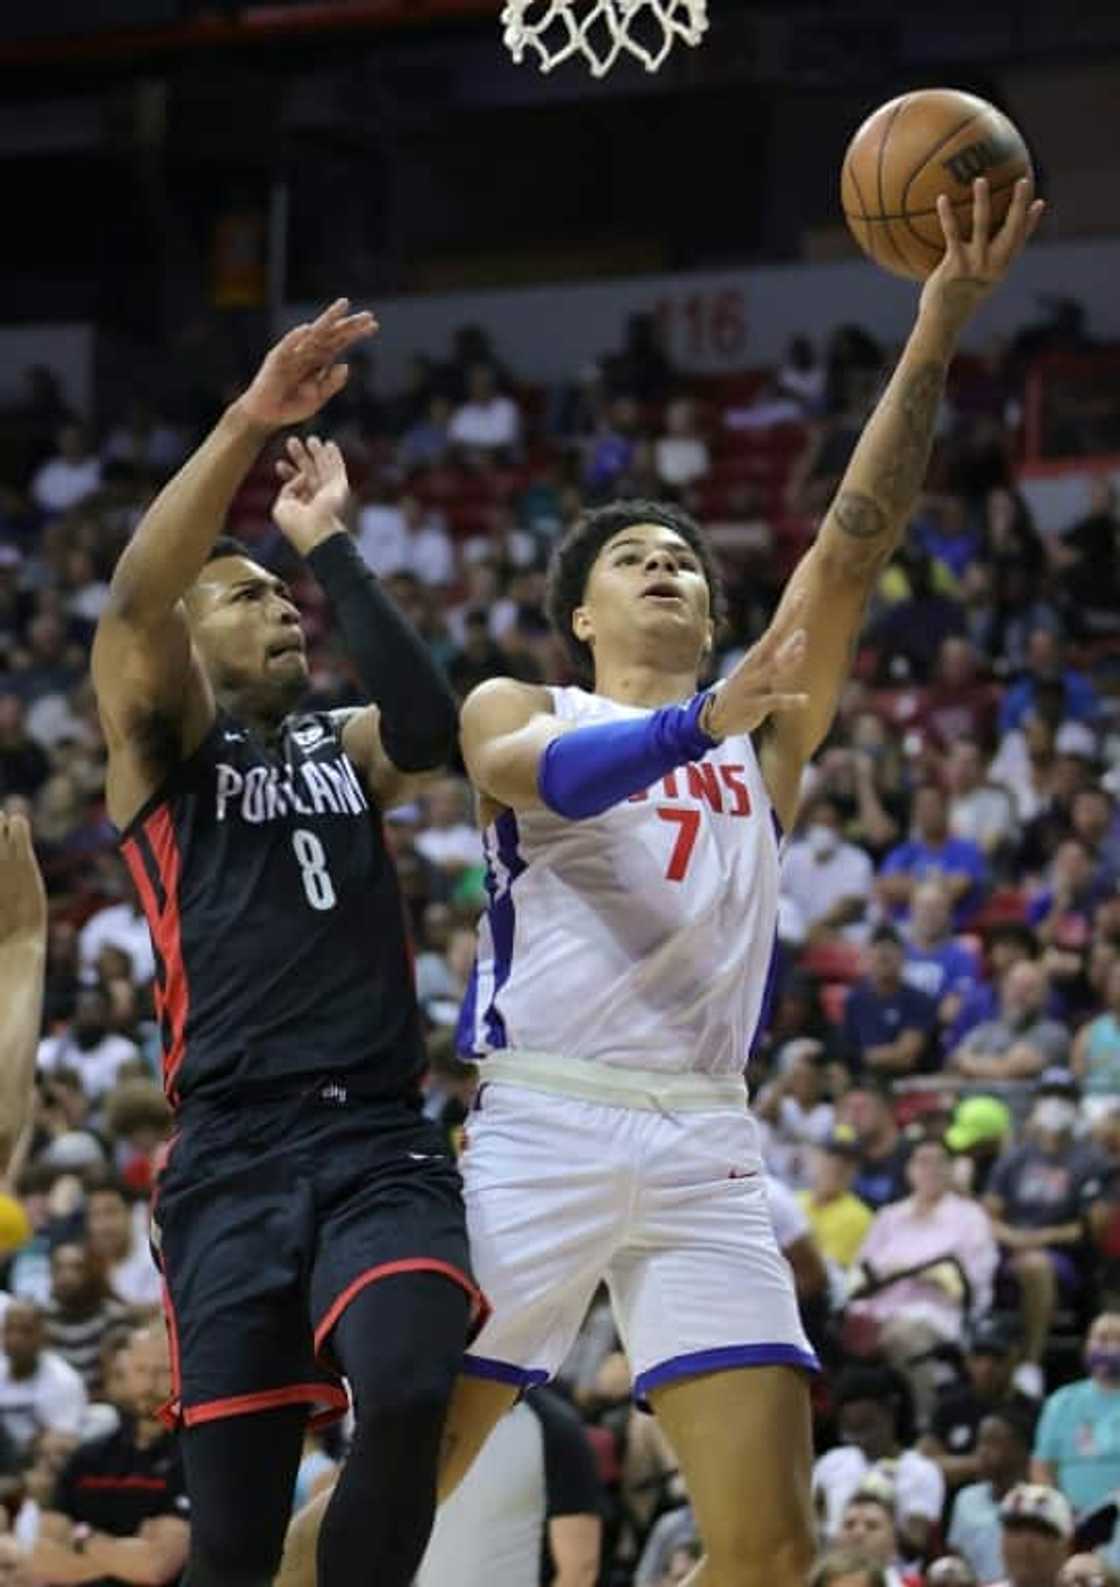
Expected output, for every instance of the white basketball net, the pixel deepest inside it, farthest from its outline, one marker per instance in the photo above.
(601, 30)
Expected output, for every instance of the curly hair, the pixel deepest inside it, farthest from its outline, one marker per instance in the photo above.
(574, 557)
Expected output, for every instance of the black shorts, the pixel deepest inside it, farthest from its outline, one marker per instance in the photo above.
(267, 1220)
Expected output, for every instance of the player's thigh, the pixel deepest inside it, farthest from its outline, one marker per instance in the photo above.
(545, 1213)
(232, 1235)
(744, 1442)
(700, 1284)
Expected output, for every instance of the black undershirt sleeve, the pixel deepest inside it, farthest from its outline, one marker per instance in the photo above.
(419, 719)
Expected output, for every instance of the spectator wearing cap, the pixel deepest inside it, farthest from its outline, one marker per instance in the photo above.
(868, 1525)
(1095, 1059)
(949, 1239)
(888, 1024)
(1077, 1448)
(866, 1110)
(936, 963)
(1003, 1452)
(38, 1389)
(1046, 662)
(825, 880)
(1041, 1196)
(933, 851)
(988, 1389)
(874, 1421)
(1022, 1041)
(1036, 1526)
(837, 1217)
(980, 1130)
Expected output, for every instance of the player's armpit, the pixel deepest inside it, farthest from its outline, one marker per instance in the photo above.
(505, 728)
(386, 783)
(154, 699)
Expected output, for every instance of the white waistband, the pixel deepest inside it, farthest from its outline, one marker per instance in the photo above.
(613, 1084)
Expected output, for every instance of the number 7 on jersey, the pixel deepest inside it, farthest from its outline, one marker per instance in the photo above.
(689, 823)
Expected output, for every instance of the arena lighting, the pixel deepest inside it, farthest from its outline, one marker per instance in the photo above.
(246, 26)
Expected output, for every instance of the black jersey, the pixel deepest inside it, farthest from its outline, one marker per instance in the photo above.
(278, 926)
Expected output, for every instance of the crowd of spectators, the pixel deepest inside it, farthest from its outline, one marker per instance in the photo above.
(937, 1089)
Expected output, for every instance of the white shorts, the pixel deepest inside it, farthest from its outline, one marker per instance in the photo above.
(668, 1207)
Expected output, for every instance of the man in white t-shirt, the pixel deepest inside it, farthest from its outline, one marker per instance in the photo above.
(826, 879)
(68, 477)
(869, 1404)
(118, 1238)
(38, 1390)
(119, 926)
(488, 423)
(448, 839)
(89, 1047)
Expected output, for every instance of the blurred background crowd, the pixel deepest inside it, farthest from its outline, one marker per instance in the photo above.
(939, 1084)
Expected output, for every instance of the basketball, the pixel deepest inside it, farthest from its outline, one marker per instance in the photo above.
(909, 151)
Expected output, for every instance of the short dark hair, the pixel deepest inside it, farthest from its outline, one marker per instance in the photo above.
(1016, 931)
(228, 546)
(575, 555)
(885, 933)
(838, 1563)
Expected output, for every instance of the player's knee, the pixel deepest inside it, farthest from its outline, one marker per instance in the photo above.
(407, 1404)
(761, 1543)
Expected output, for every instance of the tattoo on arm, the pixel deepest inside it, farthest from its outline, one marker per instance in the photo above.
(896, 456)
(858, 515)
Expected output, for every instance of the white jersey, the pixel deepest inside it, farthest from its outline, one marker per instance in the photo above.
(641, 938)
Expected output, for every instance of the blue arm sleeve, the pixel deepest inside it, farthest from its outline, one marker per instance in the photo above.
(585, 772)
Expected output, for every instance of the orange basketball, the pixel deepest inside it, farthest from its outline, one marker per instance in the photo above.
(914, 148)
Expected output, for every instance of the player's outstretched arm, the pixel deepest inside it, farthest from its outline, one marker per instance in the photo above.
(521, 756)
(410, 728)
(142, 655)
(23, 957)
(829, 590)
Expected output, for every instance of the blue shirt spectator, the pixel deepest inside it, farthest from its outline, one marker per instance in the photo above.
(936, 963)
(888, 1025)
(1077, 1447)
(932, 852)
(1046, 663)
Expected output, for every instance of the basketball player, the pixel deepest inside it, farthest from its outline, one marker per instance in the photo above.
(23, 958)
(308, 1220)
(632, 838)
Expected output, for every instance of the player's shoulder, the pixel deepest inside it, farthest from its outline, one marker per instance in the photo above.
(503, 704)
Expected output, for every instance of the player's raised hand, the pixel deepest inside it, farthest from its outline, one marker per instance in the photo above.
(971, 268)
(23, 903)
(303, 370)
(314, 494)
(761, 684)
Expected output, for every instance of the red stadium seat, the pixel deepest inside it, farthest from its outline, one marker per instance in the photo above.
(833, 961)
